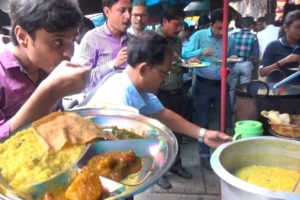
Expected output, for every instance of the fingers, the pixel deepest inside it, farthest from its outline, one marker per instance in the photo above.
(224, 136)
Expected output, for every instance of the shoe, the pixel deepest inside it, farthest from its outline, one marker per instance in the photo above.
(181, 172)
(164, 182)
(206, 163)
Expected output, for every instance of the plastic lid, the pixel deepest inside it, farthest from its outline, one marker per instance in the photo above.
(248, 126)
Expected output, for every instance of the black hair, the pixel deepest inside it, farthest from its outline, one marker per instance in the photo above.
(217, 15)
(147, 47)
(291, 17)
(238, 22)
(139, 3)
(270, 18)
(51, 15)
(86, 22)
(109, 3)
(261, 19)
(203, 20)
(172, 12)
(247, 22)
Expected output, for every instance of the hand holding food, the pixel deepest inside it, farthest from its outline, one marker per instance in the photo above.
(66, 79)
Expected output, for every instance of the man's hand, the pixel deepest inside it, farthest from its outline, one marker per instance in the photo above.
(121, 58)
(215, 138)
(193, 60)
(208, 52)
(292, 58)
(67, 79)
(191, 92)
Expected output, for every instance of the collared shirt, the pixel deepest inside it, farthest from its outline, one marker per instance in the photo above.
(278, 50)
(118, 89)
(246, 44)
(174, 81)
(15, 88)
(97, 50)
(201, 40)
(269, 34)
(131, 31)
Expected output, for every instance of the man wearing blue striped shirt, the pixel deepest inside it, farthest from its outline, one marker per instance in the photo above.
(206, 45)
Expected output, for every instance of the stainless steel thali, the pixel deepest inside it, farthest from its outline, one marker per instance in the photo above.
(158, 149)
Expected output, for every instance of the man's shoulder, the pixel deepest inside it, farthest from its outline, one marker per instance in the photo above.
(275, 44)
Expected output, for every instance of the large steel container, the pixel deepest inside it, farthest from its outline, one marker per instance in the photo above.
(268, 151)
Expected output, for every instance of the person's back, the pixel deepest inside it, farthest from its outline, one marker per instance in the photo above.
(247, 49)
(267, 35)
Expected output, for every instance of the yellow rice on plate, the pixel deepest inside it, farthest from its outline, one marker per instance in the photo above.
(25, 160)
(273, 178)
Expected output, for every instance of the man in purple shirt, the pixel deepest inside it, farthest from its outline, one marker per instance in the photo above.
(104, 48)
(42, 38)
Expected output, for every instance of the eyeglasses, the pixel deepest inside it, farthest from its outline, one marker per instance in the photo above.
(163, 73)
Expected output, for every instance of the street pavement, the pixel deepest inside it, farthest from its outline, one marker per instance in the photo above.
(205, 185)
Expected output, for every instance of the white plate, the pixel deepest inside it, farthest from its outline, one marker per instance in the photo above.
(194, 65)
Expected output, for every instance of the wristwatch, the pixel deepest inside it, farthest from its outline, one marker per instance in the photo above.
(201, 134)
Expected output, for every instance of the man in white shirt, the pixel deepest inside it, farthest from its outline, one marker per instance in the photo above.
(138, 18)
(269, 34)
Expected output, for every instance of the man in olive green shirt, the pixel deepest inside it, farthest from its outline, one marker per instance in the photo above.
(170, 94)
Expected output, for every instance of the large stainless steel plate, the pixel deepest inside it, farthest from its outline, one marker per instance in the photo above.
(158, 150)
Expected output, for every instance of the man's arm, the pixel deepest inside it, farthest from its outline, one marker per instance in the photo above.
(193, 49)
(65, 79)
(177, 123)
(255, 51)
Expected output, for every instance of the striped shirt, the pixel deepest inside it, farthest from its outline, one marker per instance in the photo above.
(246, 44)
(97, 50)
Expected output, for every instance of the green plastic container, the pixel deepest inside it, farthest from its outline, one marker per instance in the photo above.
(247, 128)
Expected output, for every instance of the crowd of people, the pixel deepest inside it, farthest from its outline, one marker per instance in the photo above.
(123, 63)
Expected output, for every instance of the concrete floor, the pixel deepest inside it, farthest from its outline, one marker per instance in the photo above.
(205, 185)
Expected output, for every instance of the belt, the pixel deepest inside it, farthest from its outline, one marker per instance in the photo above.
(244, 60)
(209, 81)
(170, 92)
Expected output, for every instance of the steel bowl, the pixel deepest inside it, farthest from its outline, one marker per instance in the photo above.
(158, 150)
(268, 151)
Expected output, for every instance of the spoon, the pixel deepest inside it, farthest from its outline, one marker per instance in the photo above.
(297, 186)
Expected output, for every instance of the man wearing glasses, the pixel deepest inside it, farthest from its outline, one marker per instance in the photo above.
(138, 17)
(149, 63)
